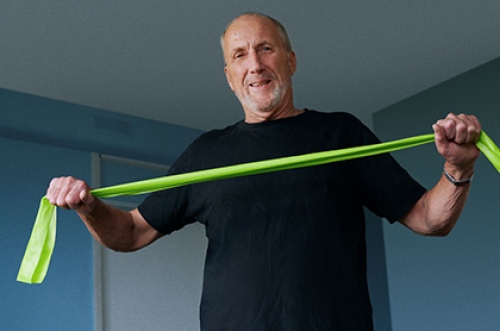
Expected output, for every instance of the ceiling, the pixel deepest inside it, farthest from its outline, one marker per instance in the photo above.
(161, 59)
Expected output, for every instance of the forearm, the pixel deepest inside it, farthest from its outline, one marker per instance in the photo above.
(437, 212)
(112, 227)
(444, 205)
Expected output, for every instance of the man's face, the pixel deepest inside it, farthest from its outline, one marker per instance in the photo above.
(258, 67)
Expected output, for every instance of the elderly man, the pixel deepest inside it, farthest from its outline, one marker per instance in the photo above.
(286, 250)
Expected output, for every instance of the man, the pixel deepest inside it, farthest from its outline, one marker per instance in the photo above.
(286, 250)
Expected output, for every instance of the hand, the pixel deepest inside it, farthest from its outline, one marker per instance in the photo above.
(456, 138)
(71, 193)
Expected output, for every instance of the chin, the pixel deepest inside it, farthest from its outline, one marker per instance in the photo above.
(268, 108)
(258, 105)
(264, 107)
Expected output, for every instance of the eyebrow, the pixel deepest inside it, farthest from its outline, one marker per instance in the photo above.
(236, 50)
(264, 42)
(240, 48)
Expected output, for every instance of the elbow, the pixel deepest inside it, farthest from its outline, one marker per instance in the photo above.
(126, 242)
(119, 247)
(429, 228)
(123, 249)
(437, 233)
(438, 229)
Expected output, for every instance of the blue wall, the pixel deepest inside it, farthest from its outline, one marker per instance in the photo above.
(447, 283)
(65, 300)
(39, 139)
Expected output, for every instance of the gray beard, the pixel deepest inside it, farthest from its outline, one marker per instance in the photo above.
(259, 106)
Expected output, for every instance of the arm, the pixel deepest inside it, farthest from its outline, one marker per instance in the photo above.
(437, 211)
(114, 228)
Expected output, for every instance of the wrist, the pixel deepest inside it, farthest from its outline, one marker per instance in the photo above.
(459, 172)
(459, 178)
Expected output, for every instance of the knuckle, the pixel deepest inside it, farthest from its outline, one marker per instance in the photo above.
(461, 126)
(65, 191)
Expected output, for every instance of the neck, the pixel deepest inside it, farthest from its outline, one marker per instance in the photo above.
(271, 115)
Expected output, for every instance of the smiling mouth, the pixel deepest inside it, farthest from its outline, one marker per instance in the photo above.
(259, 84)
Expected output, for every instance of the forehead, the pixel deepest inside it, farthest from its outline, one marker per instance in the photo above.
(249, 30)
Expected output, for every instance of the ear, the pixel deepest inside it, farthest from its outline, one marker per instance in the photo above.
(292, 62)
(228, 78)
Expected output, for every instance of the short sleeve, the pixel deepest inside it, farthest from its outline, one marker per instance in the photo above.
(168, 210)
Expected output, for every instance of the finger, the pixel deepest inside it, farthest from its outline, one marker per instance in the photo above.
(462, 132)
(438, 132)
(449, 126)
(66, 192)
(86, 197)
(73, 200)
(471, 131)
(477, 128)
(76, 194)
(462, 128)
(440, 138)
(57, 191)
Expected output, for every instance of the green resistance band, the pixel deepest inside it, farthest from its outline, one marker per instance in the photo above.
(39, 250)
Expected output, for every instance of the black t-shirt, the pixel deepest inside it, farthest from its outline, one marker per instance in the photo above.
(286, 250)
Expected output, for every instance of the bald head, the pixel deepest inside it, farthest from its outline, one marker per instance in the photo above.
(281, 29)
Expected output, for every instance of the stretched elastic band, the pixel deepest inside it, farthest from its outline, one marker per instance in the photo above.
(39, 250)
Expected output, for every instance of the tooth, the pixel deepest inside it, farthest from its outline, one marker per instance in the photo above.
(258, 84)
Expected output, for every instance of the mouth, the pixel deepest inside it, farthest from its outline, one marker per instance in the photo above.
(260, 83)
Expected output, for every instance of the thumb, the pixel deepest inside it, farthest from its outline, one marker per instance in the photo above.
(86, 197)
(442, 144)
(439, 134)
(88, 202)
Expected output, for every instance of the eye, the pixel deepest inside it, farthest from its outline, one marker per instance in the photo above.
(238, 55)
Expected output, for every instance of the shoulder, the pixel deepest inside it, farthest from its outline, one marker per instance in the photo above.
(202, 150)
(341, 122)
(344, 127)
(213, 136)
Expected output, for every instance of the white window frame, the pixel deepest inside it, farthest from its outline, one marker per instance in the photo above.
(96, 168)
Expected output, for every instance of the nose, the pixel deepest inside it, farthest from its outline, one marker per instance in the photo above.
(255, 65)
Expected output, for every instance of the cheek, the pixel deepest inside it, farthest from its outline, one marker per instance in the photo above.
(238, 80)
